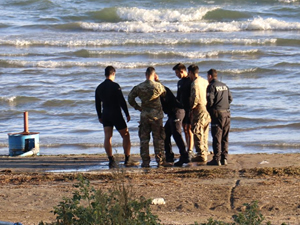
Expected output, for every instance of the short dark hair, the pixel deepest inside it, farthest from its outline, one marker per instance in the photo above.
(179, 67)
(150, 70)
(213, 73)
(193, 68)
(109, 70)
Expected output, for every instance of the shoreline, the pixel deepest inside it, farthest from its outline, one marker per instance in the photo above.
(192, 194)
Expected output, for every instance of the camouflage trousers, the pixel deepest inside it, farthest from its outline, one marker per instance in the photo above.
(200, 128)
(158, 134)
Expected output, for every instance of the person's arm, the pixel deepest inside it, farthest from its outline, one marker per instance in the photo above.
(194, 97)
(229, 96)
(178, 93)
(163, 91)
(210, 97)
(122, 101)
(131, 98)
(98, 106)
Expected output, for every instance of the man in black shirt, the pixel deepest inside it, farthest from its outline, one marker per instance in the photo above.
(173, 126)
(183, 96)
(109, 100)
(218, 101)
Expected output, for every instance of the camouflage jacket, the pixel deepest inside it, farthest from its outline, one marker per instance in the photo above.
(198, 94)
(149, 92)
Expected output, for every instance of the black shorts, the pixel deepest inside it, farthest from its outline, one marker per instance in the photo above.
(186, 119)
(117, 121)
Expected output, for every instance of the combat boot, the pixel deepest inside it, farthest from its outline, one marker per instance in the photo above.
(165, 164)
(214, 163)
(112, 163)
(130, 162)
(199, 158)
(145, 165)
(181, 161)
(224, 162)
(191, 155)
(170, 157)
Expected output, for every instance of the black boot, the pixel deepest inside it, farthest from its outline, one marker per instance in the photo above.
(112, 163)
(181, 161)
(170, 157)
(214, 163)
(224, 161)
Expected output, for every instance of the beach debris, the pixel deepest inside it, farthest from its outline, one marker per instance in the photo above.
(24, 143)
(264, 162)
(158, 201)
(9, 223)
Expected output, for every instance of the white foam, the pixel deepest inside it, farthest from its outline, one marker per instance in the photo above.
(288, 1)
(163, 15)
(239, 71)
(62, 64)
(141, 41)
(8, 99)
(194, 54)
(187, 27)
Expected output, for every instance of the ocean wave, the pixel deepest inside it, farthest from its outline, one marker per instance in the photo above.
(291, 125)
(60, 103)
(226, 15)
(140, 41)
(163, 15)
(275, 145)
(187, 27)
(2, 25)
(191, 54)
(119, 65)
(68, 64)
(118, 14)
(239, 71)
(287, 64)
(85, 145)
(288, 1)
(15, 100)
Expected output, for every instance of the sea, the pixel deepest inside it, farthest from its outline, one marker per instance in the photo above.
(53, 54)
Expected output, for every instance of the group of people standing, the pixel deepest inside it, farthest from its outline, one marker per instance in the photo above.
(198, 103)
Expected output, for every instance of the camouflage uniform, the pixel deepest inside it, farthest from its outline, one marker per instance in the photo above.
(151, 118)
(200, 116)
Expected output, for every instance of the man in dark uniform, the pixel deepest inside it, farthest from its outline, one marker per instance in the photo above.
(183, 96)
(173, 126)
(218, 101)
(110, 94)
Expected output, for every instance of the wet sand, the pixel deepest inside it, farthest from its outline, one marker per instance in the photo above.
(30, 187)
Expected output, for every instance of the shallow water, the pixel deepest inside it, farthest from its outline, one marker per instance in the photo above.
(53, 54)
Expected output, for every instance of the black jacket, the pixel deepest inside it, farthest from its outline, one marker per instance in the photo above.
(218, 96)
(170, 103)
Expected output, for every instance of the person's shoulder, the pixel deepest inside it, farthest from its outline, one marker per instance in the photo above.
(204, 81)
(100, 85)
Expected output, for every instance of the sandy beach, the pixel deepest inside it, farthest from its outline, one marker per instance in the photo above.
(192, 194)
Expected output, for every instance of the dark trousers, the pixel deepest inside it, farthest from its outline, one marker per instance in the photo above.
(220, 126)
(173, 127)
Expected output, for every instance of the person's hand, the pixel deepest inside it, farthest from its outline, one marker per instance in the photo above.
(128, 118)
(100, 120)
(156, 78)
(191, 115)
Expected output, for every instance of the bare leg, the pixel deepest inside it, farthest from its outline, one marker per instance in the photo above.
(126, 140)
(108, 132)
(189, 136)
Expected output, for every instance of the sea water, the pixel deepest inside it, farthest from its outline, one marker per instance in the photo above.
(53, 54)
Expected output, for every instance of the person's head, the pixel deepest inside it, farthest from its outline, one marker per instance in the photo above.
(211, 75)
(193, 71)
(180, 70)
(110, 72)
(150, 73)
